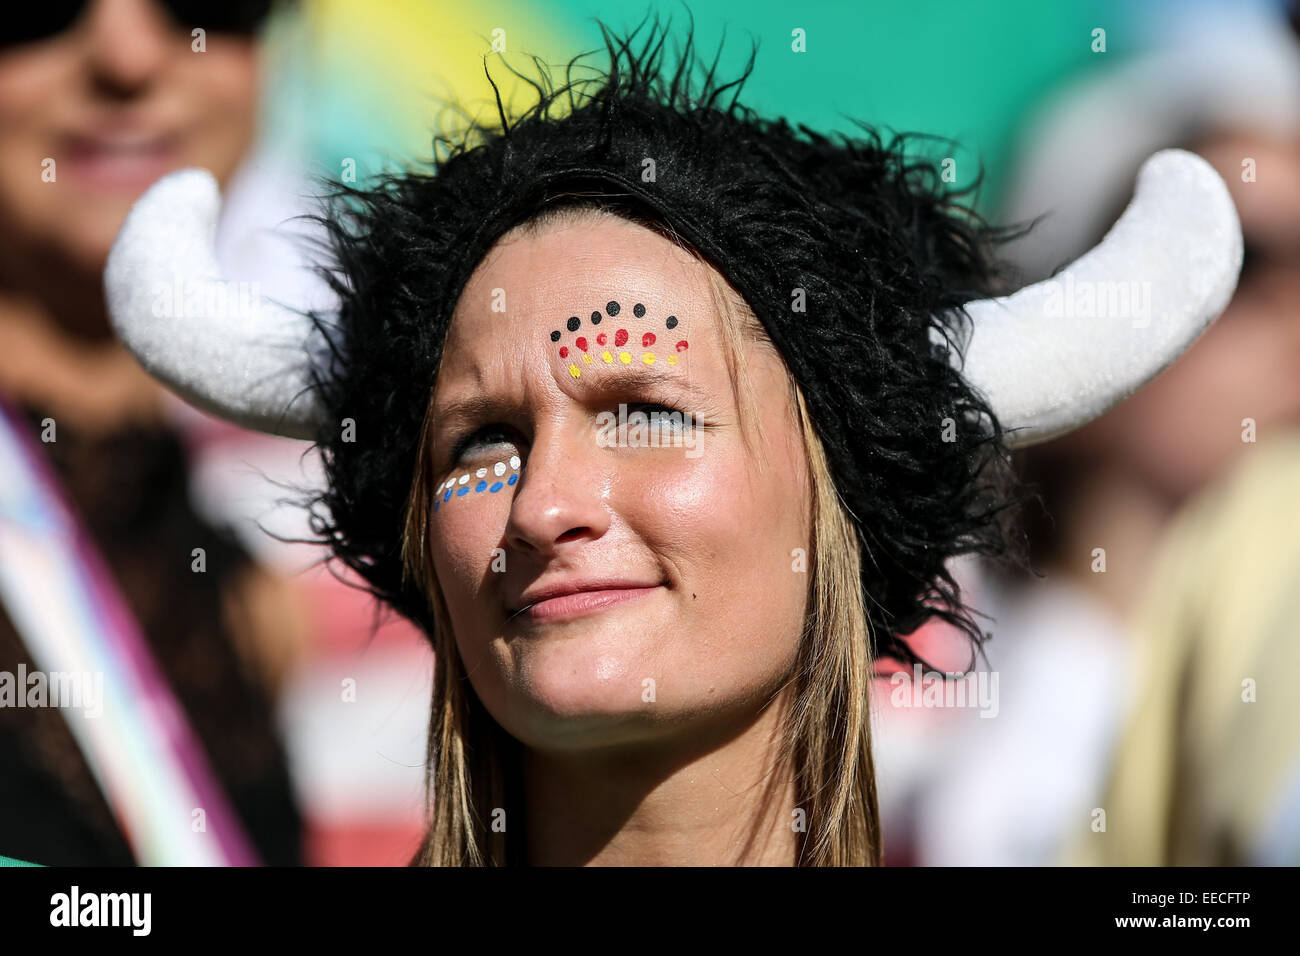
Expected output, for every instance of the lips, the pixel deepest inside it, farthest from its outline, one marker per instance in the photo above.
(118, 159)
(572, 598)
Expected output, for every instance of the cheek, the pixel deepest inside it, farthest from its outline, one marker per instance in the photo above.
(1186, 426)
(34, 85)
(220, 92)
(467, 534)
(467, 530)
(467, 543)
(734, 535)
(31, 94)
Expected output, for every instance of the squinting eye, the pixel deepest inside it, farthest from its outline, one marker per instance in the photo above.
(484, 437)
(663, 415)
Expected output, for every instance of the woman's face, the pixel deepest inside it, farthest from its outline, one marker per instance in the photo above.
(687, 545)
(93, 115)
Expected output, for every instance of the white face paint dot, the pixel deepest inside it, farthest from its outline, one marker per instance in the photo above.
(514, 462)
(499, 469)
(463, 479)
(480, 473)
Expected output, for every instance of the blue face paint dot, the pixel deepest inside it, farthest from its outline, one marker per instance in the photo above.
(437, 504)
(496, 486)
(447, 496)
(555, 335)
(462, 491)
(574, 322)
(595, 318)
(480, 486)
(513, 479)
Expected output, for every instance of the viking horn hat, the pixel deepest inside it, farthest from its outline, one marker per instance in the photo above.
(1048, 358)
(874, 283)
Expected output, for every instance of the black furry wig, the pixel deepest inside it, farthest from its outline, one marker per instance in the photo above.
(886, 256)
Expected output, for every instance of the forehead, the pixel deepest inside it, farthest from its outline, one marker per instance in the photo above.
(533, 285)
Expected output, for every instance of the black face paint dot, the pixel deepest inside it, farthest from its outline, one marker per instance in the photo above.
(672, 322)
(595, 318)
(611, 308)
(574, 322)
(555, 336)
(638, 310)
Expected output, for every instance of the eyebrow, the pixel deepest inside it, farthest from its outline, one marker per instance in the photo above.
(643, 376)
(474, 407)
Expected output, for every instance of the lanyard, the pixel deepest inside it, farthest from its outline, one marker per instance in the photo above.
(83, 639)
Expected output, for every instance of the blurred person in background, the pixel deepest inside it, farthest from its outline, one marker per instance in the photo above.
(97, 100)
(1207, 771)
(1127, 547)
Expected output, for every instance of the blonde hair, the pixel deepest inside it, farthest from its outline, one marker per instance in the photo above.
(473, 764)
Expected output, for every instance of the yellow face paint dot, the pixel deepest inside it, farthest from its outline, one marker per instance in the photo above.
(609, 359)
(586, 359)
(672, 360)
(648, 358)
(625, 357)
(574, 371)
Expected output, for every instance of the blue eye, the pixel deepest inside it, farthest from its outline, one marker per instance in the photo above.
(664, 416)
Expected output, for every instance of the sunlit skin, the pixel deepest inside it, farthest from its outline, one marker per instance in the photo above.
(709, 607)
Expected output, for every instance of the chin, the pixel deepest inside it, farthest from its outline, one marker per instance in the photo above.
(91, 232)
(578, 675)
(570, 692)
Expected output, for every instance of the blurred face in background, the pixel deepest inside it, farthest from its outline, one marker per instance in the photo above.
(114, 93)
(1185, 427)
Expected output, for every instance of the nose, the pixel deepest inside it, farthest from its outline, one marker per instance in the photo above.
(127, 42)
(561, 501)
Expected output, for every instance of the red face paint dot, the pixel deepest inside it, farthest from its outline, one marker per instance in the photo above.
(681, 346)
(620, 337)
(581, 342)
(564, 351)
(600, 339)
(647, 340)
